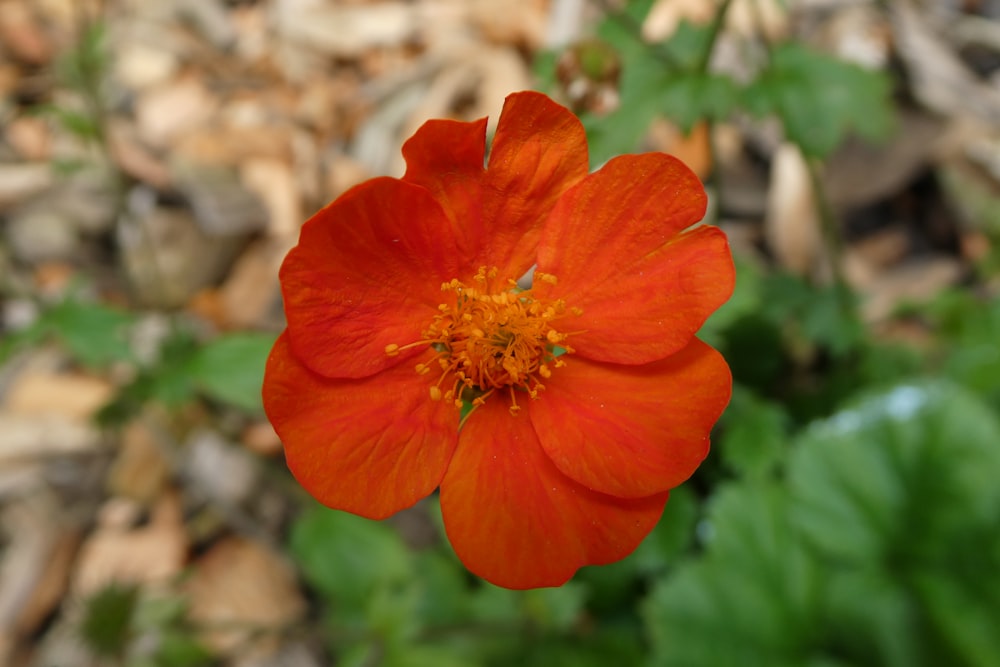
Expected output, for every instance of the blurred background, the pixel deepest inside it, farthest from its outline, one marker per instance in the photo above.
(157, 160)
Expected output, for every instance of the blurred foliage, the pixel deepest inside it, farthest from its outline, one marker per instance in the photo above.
(227, 369)
(818, 98)
(124, 626)
(877, 546)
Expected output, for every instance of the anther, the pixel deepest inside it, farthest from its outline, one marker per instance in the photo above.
(435, 393)
(392, 349)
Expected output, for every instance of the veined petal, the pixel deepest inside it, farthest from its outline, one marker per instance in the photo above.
(372, 446)
(538, 152)
(366, 273)
(447, 157)
(518, 522)
(652, 308)
(616, 245)
(632, 431)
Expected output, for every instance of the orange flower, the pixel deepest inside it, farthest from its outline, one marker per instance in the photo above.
(590, 395)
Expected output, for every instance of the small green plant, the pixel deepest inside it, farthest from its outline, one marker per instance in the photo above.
(127, 627)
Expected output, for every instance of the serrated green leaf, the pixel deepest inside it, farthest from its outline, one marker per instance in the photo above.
(890, 478)
(750, 601)
(820, 98)
(691, 97)
(658, 80)
(231, 368)
(880, 548)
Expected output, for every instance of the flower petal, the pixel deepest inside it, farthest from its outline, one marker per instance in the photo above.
(518, 522)
(632, 431)
(538, 152)
(447, 157)
(366, 273)
(616, 246)
(652, 308)
(372, 446)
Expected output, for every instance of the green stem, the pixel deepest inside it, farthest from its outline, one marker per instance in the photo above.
(713, 36)
(715, 175)
(832, 240)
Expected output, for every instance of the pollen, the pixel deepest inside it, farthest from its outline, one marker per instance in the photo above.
(491, 339)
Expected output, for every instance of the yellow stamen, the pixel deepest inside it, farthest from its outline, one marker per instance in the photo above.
(492, 336)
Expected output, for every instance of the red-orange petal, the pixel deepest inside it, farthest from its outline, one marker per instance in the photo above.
(617, 245)
(632, 431)
(372, 446)
(538, 152)
(516, 521)
(447, 157)
(366, 273)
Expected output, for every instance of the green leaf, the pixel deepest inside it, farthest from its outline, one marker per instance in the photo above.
(231, 368)
(181, 649)
(878, 547)
(555, 609)
(658, 80)
(94, 334)
(750, 601)
(969, 341)
(890, 479)
(348, 558)
(820, 98)
(672, 535)
(107, 623)
(745, 301)
(754, 436)
(426, 655)
(691, 97)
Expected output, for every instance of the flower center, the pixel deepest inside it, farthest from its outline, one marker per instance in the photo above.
(491, 336)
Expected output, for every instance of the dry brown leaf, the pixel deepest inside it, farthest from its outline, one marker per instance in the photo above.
(34, 569)
(20, 181)
(250, 293)
(151, 554)
(792, 226)
(275, 184)
(141, 470)
(692, 149)
(71, 395)
(22, 34)
(343, 30)
(260, 438)
(246, 591)
(916, 281)
(164, 113)
(30, 136)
